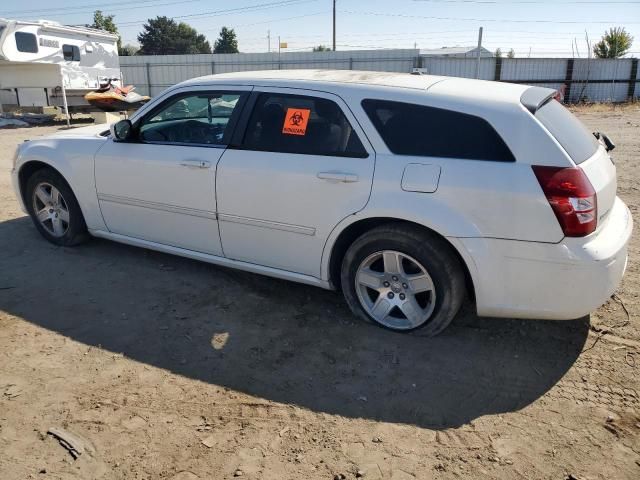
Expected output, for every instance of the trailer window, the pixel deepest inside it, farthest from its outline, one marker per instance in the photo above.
(26, 42)
(71, 53)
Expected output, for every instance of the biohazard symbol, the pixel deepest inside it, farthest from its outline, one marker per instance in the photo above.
(296, 119)
(295, 122)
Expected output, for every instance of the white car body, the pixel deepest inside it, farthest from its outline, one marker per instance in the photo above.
(277, 215)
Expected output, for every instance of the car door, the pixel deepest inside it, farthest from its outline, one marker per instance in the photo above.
(298, 167)
(160, 186)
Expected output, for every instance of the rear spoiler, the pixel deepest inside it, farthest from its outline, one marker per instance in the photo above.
(535, 97)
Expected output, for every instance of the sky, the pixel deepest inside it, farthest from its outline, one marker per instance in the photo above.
(536, 28)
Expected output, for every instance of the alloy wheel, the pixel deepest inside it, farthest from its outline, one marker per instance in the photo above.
(51, 209)
(395, 290)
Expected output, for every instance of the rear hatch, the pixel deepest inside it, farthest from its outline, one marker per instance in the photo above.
(585, 150)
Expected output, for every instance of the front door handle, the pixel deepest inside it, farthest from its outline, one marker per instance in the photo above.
(338, 177)
(195, 164)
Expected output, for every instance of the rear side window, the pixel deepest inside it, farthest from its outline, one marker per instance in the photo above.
(574, 137)
(409, 129)
(71, 53)
(301, 124)
(26, 42)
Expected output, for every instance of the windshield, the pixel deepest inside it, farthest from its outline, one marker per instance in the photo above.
(570, 132)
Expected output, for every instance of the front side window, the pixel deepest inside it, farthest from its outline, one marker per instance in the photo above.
(301, 124)
(71, 53)
(26, 42)
(409, 129)
(201, 118)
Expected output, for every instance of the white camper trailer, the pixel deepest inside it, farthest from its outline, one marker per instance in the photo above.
(46, 63)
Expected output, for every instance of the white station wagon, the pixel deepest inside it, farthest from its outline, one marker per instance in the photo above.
(408, 192)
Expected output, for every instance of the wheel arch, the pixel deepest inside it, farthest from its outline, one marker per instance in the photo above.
(27, 169)
(343, 239)
(73, 159)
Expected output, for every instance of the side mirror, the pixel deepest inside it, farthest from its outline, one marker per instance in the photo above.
(122, 131)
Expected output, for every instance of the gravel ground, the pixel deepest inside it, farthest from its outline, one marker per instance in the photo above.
(173, 369)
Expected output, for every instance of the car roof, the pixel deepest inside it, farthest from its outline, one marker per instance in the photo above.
(462, 89)
(321, 77)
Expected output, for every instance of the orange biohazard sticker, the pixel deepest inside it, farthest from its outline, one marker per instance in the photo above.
(295, 122)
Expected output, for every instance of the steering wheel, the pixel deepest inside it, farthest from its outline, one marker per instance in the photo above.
(191, 131)
(155, 135)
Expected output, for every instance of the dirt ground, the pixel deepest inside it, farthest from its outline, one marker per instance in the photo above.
(174, 369)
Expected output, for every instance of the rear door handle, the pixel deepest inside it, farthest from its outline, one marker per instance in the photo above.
(195, 164)
(338, 177)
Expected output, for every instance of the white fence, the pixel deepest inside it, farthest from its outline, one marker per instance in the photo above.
(607, 80)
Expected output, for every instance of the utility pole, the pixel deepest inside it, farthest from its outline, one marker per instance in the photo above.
(269, 41)
(479, 52)
(334, 25)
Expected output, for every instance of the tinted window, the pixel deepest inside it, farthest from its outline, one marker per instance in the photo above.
(200, 119)
(574, 137)
(301, 124)
(71, 53)
(409, 129)
(26, 42)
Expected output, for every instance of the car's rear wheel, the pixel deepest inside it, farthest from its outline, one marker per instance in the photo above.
(403, 278)
(54, 209)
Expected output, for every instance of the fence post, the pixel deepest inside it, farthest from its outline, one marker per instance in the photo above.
(568, 78)
(148, 78)
(498, 71)
(633, 78)
(213, 68)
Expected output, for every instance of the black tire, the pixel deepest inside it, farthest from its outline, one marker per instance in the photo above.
(431, 251)
(76, 229)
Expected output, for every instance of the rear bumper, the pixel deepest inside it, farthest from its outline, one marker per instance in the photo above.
(560, 281)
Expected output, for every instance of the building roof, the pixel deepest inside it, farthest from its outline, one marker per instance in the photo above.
(454, 51)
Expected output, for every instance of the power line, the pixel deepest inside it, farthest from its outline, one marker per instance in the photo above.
(60, 9)
(248, 8)
(462, 19)
(107, 12)
(282, 19)
(538, 2)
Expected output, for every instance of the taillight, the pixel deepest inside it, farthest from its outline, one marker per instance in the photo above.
(571, 197)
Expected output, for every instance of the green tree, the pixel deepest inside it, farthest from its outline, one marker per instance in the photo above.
(614, 44)
(321, 48)
(165, 36)
(498, 53)
(511, 54)
(105, 22)
(128, 50)
(226, 42)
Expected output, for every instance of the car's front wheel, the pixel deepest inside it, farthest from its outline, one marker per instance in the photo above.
(54, 209)
(403, 278)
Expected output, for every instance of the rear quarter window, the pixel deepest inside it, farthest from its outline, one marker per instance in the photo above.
(578, 142)
(409, 129)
